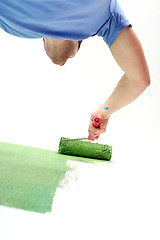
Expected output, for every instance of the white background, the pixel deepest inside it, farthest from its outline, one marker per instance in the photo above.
(40, 102)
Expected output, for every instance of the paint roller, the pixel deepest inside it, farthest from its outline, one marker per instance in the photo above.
(80, 147)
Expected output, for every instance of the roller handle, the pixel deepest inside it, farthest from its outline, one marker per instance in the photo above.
(96, 122)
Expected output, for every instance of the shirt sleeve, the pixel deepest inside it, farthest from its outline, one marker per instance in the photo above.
(114, 25)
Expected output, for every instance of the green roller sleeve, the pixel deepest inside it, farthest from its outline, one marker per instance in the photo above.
(85, 149)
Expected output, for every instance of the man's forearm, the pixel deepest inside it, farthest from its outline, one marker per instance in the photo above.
(126, 91)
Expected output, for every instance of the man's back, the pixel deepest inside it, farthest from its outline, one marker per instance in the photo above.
(58, 19)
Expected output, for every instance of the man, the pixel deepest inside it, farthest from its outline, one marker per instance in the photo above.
(64, 24)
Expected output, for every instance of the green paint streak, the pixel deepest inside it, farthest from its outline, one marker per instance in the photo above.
(29, 177)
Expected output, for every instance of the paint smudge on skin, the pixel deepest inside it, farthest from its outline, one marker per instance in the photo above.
(106, 108)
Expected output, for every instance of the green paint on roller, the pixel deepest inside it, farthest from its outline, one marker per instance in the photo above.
(85, 149)
(30, 176)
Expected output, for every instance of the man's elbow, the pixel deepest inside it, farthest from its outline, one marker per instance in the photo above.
(144, 80)
(140, 81)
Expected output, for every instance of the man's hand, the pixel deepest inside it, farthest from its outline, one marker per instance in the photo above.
(103, 114)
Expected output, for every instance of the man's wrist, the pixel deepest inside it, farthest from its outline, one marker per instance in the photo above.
(106, 110)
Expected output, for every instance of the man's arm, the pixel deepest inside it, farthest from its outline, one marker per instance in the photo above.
(129, 55)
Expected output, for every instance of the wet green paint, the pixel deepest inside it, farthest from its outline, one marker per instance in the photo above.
(85, 149)
(29, 177)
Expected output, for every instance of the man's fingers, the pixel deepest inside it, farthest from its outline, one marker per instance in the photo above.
(95, 132)
(103, 124)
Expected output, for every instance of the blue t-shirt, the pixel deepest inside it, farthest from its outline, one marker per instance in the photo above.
(57, 19)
